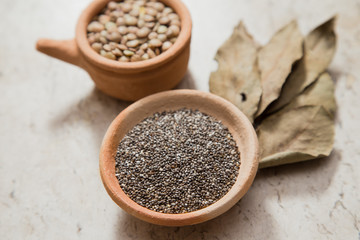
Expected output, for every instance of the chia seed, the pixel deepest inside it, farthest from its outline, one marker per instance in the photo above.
(177, 161)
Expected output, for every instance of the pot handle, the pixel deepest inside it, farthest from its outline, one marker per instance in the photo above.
(66, 50)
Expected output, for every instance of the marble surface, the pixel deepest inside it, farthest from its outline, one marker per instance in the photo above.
(52, 121)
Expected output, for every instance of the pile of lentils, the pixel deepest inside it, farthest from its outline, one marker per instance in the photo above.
(133, 30)
(177, 161)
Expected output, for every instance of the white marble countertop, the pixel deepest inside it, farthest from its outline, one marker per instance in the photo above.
(52, 121)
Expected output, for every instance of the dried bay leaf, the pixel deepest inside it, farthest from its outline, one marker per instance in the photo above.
(275, 62)
(319, 49)
(293, 101)
(299, 134)
(303, 130)
(237, 78)
(319, 93)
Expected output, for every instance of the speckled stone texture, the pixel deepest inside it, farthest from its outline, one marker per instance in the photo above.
(52, 122)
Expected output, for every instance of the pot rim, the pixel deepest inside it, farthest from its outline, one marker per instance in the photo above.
(238, 124)
(95, 59)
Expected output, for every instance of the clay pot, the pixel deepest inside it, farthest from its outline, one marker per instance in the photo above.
(238, 124)
(127, 81)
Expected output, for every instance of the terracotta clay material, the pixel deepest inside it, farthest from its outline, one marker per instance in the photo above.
(125, 80)
(237, 123)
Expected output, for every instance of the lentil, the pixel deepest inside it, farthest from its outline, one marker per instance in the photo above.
(136, 25)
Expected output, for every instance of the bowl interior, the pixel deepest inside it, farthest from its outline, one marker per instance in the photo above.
(93, 57)
(237, 123)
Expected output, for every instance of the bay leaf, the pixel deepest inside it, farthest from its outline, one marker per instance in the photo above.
(299, 134)
(320, 93)
(276, 60)
(237, 78)
(319, 49)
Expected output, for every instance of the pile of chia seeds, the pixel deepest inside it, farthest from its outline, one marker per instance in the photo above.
(177, 161)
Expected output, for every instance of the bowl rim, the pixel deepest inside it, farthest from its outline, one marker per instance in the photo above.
(95, 59)
(248, 168)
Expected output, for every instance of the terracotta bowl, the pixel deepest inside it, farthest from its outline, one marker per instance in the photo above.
(232, 117)
(127, 81)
